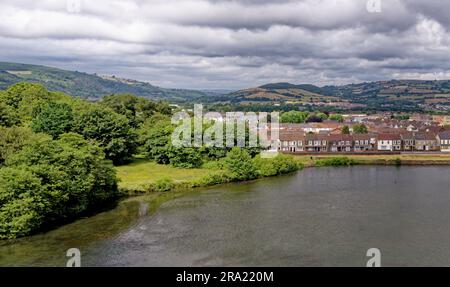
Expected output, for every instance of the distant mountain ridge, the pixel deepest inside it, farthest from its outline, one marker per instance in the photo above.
(88, 86)
(399, 95)
(382, 95)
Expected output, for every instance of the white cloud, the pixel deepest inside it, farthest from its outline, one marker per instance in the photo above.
(231, 44)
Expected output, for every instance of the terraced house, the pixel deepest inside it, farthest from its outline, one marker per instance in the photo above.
(389, 142)
(426, 142)
(297, 142)
(444, 141)
(340, 143)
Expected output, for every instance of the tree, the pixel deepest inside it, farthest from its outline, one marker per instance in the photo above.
(136, 109)
(13, 139)
(27, 97)
(336, 117)
(294, 117)
(185, 157)
(345, 130)
(49, 181)
(110, 130)
(239, 164)
(316, 117)
(8, 116)
(53, 119)
(360, 129)
(154, 138)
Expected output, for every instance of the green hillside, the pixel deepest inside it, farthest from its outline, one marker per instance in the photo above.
(394, 95)
(88, 86)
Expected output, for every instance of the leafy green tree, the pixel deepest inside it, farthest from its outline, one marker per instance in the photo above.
(8, 116)
(345, 130)
(337, 118)
(294, 117)
(49, 182)
(239, 164)
(53, 119)
(136, 109)
(360, 129)
(316, 117)
(110, 130)
(154, 138)
(27, 97)
(185, 157)
(15, 94)
(13, 139)
(281, 164)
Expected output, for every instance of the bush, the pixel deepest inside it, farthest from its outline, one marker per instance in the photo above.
(53, 119)
(281, 164)
(110, 130)
(8, 116)
(164, 184)
(185, 157)
(335, 161)
(213, 179)
(48, 182)
(14, 139)
(214, 164)
(239, 165)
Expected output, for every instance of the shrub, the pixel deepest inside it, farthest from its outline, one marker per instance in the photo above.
(281, 164)
(213, 179)
(53, 119)
(335, 161)
(110, 130)
(239, 165)
(164, 184)
(53, 181)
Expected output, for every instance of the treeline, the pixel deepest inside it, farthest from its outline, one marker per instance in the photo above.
(57, 154)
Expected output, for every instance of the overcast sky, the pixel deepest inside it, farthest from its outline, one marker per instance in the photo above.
(232, 44)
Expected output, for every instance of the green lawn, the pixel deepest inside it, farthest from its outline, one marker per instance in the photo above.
(141, 172)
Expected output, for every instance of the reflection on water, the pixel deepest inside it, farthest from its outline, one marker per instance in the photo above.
(317, 217)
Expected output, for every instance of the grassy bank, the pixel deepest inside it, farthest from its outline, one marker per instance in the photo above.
(402, 159)
(143, 176)
(154, 180)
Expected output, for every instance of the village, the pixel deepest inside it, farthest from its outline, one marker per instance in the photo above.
(384, 134)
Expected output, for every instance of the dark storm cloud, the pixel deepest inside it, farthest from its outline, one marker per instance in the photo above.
(231, 44)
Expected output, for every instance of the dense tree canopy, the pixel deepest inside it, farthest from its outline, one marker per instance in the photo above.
(52, 181)
(8, 115)
(110, 130)
(136, 109)
(53, 119)
(360, 129)
(294, 117)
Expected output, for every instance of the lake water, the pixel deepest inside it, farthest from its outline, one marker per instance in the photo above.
(316, 217)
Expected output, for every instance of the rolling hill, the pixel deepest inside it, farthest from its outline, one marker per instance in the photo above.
(393, 95)
(88, 86)
(382, 95)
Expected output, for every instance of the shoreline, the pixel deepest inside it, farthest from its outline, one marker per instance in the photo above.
(191, 179)
(305, 161)
(155, 199)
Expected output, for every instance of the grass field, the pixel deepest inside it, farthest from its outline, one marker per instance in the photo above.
(142, 172)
